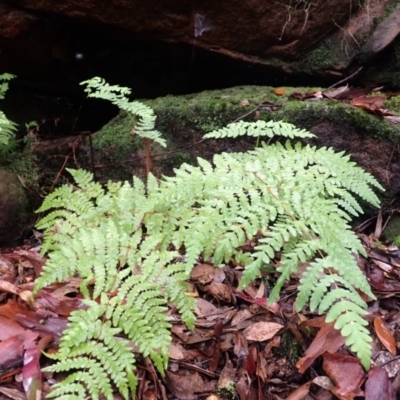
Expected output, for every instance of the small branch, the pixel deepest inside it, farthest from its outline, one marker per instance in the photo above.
(344, 80)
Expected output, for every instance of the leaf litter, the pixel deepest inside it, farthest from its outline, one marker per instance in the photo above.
(241, 348)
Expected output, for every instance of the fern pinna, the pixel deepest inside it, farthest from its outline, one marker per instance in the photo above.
(134, 245)
(7, 127)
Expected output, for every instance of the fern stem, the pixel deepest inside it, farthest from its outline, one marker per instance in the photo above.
(148, 157)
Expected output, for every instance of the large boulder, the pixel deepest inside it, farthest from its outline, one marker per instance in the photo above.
(72, 40)
(371, 140)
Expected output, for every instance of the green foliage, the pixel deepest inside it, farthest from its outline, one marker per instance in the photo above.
(7, 127)
(126, 241)
(145, 117)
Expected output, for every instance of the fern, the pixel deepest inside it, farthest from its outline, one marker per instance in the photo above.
(7, 127)
(144, 125)
(125, 242)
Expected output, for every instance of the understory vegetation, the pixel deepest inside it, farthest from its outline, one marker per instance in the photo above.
(7, 127)
(133, 245)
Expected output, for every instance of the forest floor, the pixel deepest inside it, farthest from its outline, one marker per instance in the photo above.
(241, 348)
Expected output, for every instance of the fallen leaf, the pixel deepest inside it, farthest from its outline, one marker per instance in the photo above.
(203, 273)
(301, 392)
(370, 103)
(385, 335)
(205, 308)
(241, 315)
(280, 91)
(377, 280)
(12, 393)
(176, 352)
(184, 385)
(243, 389)
(378, 385)
(251, 364)
(261, 331)
(327, 339)
(221, 291)
(240, 348)
(245, 103)
(227, 375)
(388, 362)
(332, 94)
(31, 373)
(324, 382)
(346, 373)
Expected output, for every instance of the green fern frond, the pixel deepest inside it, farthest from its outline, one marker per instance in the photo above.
(7, 127)
(144, 127)
(133, 245)
(257, 129)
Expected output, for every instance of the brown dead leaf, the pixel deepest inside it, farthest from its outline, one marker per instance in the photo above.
(385, 335)
(369, 103)
(8, 287)
(327, 339)
(243, 389)
(347, 374)
(240, 348)
(324, 382)
(221, 291)
(301, 392)
(33, 258)
(7, 267)
(205, 308)
(227, 375)
(378, 280)
(378, 385)
(203, 273)
(9, 328)
(12, 393)
(280, 91)
(183, 385)
(176, 352)
(261, 331)
(241, 315)
(334, 93)
(251, 361)
(11, 349)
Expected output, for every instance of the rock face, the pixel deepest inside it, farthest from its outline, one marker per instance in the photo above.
(13, 207)
(246, 28)
(73, 40)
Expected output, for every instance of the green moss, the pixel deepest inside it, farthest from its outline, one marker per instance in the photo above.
(116, 140)
(306, 114)
(393, 104)
(390, 7)
(228, 392)
(391, 232)
(24, 164)
(289, 348)
(323, 57)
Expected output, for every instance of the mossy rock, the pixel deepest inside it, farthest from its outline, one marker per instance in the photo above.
(13, 207)
(183, 120)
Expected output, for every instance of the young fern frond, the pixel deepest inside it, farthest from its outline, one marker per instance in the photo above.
(145, 121)
(126, 240)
